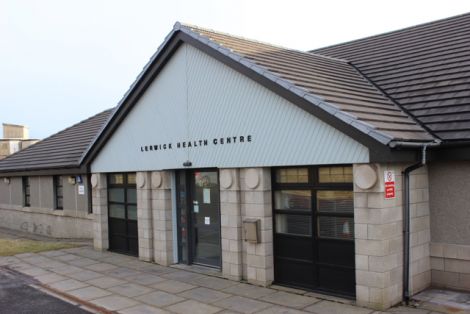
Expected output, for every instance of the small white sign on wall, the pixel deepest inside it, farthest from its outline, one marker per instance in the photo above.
(207, 220)
(81, 189)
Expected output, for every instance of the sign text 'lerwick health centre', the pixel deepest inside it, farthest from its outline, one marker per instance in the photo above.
(241, 139)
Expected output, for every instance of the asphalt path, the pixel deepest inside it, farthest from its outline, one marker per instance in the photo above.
(19, 297)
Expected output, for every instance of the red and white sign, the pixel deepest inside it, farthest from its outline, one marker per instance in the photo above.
(389, 177)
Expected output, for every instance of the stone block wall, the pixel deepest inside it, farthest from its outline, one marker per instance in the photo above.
(162, 218)
(450, 265)
(144, 216)
(256, 202)
(100, 211)
(231, 224)
(379, 238)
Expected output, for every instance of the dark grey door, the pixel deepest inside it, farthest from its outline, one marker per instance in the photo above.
(198, 201)
(206, 217)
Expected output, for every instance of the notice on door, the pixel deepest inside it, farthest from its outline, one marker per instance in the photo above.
(389, 178)
(207, 220)
(206, 196)
(81, 189)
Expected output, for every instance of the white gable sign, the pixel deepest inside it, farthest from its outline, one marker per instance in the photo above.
(200, 111)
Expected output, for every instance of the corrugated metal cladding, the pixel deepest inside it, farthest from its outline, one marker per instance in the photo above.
(197, 98)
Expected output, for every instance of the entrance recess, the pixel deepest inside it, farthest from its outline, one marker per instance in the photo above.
(314, 228)
(198, 205)
(122, 213)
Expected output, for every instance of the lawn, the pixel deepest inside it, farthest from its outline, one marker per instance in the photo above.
(17, 246)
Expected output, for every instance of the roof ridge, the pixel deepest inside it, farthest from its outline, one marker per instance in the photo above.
(179, 25)
(390, 32)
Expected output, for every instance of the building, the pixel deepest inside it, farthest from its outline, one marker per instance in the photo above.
(15, 138)
(342, 170)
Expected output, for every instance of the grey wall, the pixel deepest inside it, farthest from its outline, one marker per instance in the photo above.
(16, 187)
(46, 192)
(73, 200)
(449, 187)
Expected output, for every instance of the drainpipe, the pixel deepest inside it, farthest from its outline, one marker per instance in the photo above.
(406, 210)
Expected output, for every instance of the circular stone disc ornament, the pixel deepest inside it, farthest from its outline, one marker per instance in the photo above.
(226, 179)
(94, 180)
(156, 179)
(252, 178)
(365, 176)
(140, 180)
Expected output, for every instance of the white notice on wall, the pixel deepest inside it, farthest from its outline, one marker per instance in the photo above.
(81, 189)
(207, 220)
(206, 195)
(196, 208)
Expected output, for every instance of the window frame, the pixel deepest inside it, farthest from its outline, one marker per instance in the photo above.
(56, 194)
(26, 184)
(314, 186)
(125, 186)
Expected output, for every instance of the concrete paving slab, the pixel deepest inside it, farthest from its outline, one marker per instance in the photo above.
(242, 304)
(282, 310)
(89, 293)
(50, 278)
(68, 284)
(336, 308)
(289, 299)
(249, 291)
(130, 290)
(81, 262)
(7, 260)
(84, 275)
(160, 299)
(105, 282)
(52, 253)
(115, 302)
(180, 275)
(121, 272)
(143, 309)
(34, 271)
(205, 295)
(101, 267)
(172, 286)
(407, 310)
(65, 269)
(213, 282)
(67, 257)
(193, 307)
(145, 279)
(20, 266)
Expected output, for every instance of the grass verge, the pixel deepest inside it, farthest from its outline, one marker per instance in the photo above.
(10, 247)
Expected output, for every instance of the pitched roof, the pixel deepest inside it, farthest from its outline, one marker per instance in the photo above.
(64, 149)
(425, 69)
(330, 83)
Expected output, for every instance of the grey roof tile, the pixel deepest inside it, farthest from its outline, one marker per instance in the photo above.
(425, 69)
(64, 149)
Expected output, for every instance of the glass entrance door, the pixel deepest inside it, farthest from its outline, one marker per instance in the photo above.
(205, 217)
(199, 217)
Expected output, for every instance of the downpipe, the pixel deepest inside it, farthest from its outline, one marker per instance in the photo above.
(406, 223)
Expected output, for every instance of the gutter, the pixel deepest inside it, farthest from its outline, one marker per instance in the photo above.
(406, 207)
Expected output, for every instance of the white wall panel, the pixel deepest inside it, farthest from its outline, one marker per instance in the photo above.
(197, 97)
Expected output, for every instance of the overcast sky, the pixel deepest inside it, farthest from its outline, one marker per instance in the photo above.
(63, 61)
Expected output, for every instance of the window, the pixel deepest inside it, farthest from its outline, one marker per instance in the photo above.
(58, 193)
(314, 201)
(122, 196)
(26, 192)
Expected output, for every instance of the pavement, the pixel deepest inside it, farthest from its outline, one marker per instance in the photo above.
(18, 294)
(105, 282)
